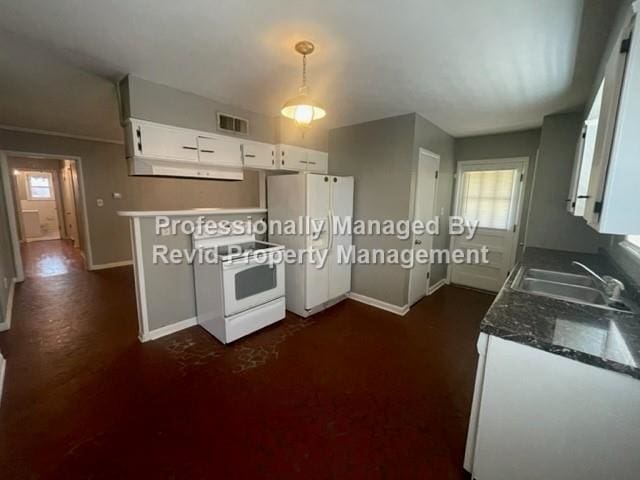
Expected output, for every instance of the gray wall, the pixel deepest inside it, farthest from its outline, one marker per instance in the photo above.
(382, 156)
(550, 225)
(104, 171)
(150, 101)
(504, 145)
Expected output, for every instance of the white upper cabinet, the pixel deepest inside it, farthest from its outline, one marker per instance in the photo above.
(160, 142)
(615, 175)
(301, 159)
(259, 155)
(317, 162)
(291, 158)
(216, 150)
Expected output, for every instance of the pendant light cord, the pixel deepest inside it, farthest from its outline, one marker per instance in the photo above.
(304, 70)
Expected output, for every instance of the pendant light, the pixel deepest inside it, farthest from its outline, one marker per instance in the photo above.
(302, 108)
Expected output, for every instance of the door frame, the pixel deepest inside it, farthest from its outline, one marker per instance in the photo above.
(11, 207)
(517, 218)
(414, 198)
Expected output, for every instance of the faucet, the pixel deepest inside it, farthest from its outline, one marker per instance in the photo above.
(612, 286)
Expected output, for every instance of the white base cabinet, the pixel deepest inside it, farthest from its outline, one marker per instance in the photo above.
(541, 416)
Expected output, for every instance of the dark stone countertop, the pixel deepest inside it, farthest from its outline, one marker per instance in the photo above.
(592, 335)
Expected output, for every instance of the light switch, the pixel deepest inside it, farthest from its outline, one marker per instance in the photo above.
(99, 202)
(116, 195)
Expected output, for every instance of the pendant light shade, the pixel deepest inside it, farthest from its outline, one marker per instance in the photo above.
(302, 108)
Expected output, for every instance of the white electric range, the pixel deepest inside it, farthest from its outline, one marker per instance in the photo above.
(239, 283)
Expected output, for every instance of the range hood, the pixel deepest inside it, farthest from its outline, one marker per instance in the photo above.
(151, 167)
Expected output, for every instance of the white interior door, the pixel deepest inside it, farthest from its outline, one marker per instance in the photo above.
(490, 192)
(341, 208)
(425, 211)
(318, 210)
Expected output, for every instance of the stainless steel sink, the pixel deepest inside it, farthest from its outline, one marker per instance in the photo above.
(566, 286)
(560, 277)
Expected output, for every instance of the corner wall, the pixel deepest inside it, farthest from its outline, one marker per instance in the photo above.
(382, 155)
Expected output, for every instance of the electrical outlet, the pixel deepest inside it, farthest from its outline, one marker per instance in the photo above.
(116, 195)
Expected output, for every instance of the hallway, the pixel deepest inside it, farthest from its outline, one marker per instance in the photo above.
(47, 258)
(353, 392)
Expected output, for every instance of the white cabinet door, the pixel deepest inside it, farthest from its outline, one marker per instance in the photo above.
(166, 143)
(292, 158)
(220, 151)
(613, 183)
(258, 155)
(341, 208)
(317, 162)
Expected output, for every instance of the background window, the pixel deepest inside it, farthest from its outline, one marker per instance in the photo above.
(39, 186)
(487, 197)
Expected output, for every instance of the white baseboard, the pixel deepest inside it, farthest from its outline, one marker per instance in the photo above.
(389, 307)
(168, 330)
(3, 367)
(436, 286)
(104, 266)
(6, 323)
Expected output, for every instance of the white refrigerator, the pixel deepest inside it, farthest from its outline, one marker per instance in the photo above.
(326, 200)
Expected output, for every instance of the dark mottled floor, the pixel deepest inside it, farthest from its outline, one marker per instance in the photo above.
(353, 392)
(46, 258)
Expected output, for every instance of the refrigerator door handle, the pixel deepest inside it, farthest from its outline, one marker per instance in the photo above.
(330, 230)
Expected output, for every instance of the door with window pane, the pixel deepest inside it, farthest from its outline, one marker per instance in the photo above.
(488, 192)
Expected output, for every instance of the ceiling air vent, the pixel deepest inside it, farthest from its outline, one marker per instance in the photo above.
(229, 123)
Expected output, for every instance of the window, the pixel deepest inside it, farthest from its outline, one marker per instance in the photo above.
(487, 197)
(39, 186)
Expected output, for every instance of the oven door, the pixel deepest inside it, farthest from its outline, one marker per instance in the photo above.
(248, 284)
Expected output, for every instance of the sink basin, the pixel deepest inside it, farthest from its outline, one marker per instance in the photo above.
(560, 277)
(563, 290)
(580, 289)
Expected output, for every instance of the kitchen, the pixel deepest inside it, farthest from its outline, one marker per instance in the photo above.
(508, 356)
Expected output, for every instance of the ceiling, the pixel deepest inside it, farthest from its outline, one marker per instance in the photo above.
(471, 67)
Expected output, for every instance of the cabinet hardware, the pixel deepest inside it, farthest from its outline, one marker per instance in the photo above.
(335, 179)
(436, 173)
(273, 162)
(304, 161)
(189, 148)
(206, 151)
(139, 139)
(597, 207)
(625, 46)
(583, 196)
(312, 163)
(249, 155)
(515, 227)
(326, 179)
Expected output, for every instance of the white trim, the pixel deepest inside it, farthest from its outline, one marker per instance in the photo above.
(190, 213)
(4, 171)
(3, 368)
(6, 323)
(389, 307)
(169, 329)
(138, 274)
(53, 133)
(436, 286)
(104, 266)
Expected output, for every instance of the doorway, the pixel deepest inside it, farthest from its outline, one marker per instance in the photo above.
(46, 202)
(489, 192)
(424, 209)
